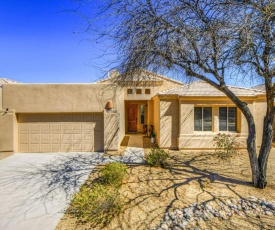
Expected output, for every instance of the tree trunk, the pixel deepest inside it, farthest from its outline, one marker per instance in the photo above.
(251, 139)
(251, 148)
(266, 144)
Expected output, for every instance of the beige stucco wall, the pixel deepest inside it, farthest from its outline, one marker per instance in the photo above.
(58, 98)
(259, 113)
(169, 124)
(190, 139)
(156, 123)
(154, 90)
(8, 129)
(111, 131)
(1, 107)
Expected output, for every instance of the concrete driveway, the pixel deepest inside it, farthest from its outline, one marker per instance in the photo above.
(36, 188)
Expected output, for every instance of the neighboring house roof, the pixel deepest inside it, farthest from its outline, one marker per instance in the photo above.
(141, 75)
(7, 81)
(201, 88)
(259, 87)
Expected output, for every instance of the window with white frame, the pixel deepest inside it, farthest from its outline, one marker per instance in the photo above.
(203, 118)
(228, 119)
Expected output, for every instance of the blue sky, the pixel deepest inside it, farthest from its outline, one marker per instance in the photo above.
(38, 43)
(41, 42)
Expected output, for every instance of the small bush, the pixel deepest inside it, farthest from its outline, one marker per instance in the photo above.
(157, 157)
(113, 174)
(97, 205)
(226, 144)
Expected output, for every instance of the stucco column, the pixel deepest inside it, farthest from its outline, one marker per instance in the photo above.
(215, 115)
(8, 134)
(111, 131)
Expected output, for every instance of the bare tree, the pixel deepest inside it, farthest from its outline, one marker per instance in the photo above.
(205, 39)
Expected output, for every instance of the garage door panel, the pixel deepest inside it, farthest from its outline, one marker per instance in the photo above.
(24, 137)
(66, 127)
(24, 147)
(24, 127)
(66, 137)
(45, 137)
(77, 137)
(60, 132)
(77, 147)
(34, 127)
(87, 127)
(77, 127)
(56, 147)
(55, 127)
(34, 137)
(88, 147)
(66, 147)
(56, 137)
(34, 147)
(45, 147)
(46, 127)
(87, 137)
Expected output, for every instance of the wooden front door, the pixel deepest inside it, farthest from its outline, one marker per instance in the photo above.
(132, 117)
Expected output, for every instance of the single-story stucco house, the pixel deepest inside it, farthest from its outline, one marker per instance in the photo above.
(96, 116)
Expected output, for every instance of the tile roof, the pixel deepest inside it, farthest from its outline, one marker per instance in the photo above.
(141, 75)
(200, 88)
(259, 87)
(7, 81)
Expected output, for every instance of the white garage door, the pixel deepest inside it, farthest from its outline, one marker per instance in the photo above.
(60, 132)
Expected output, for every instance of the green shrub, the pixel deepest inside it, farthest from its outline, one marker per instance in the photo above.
(113, 174)
(97, 205)
(157, 157)
(226, 144)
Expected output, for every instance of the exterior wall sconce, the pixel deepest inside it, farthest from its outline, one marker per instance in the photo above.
(109, 105)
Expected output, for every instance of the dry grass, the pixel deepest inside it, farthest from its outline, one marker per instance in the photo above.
(192, 177)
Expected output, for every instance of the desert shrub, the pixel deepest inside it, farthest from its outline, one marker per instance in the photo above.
(113, 174)
(96, 205)
(226, 144)
(157, 157)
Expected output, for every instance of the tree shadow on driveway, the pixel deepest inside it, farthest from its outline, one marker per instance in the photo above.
(36, 188)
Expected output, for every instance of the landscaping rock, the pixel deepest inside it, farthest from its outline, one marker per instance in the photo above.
(269, 213)
(181, 218)
(270, 205)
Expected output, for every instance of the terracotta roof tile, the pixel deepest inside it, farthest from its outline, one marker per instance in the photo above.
(200, 88)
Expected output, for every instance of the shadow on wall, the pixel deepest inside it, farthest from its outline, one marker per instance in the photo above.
(169, 124)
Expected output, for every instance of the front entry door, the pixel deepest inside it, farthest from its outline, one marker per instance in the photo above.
(132, 117)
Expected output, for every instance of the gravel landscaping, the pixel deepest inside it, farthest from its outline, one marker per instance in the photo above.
(223, 209)
(197, 190)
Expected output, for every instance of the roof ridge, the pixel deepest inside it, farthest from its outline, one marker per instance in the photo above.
(162, 76)
(167, 90)
(147, 71)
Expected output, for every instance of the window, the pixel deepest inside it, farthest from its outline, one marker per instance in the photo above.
(129, 91)
(142, 114)
(228, 119)
(138, 91)
(203, 119)
(147, 91)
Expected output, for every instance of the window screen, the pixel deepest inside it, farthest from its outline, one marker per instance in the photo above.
(203, 119)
